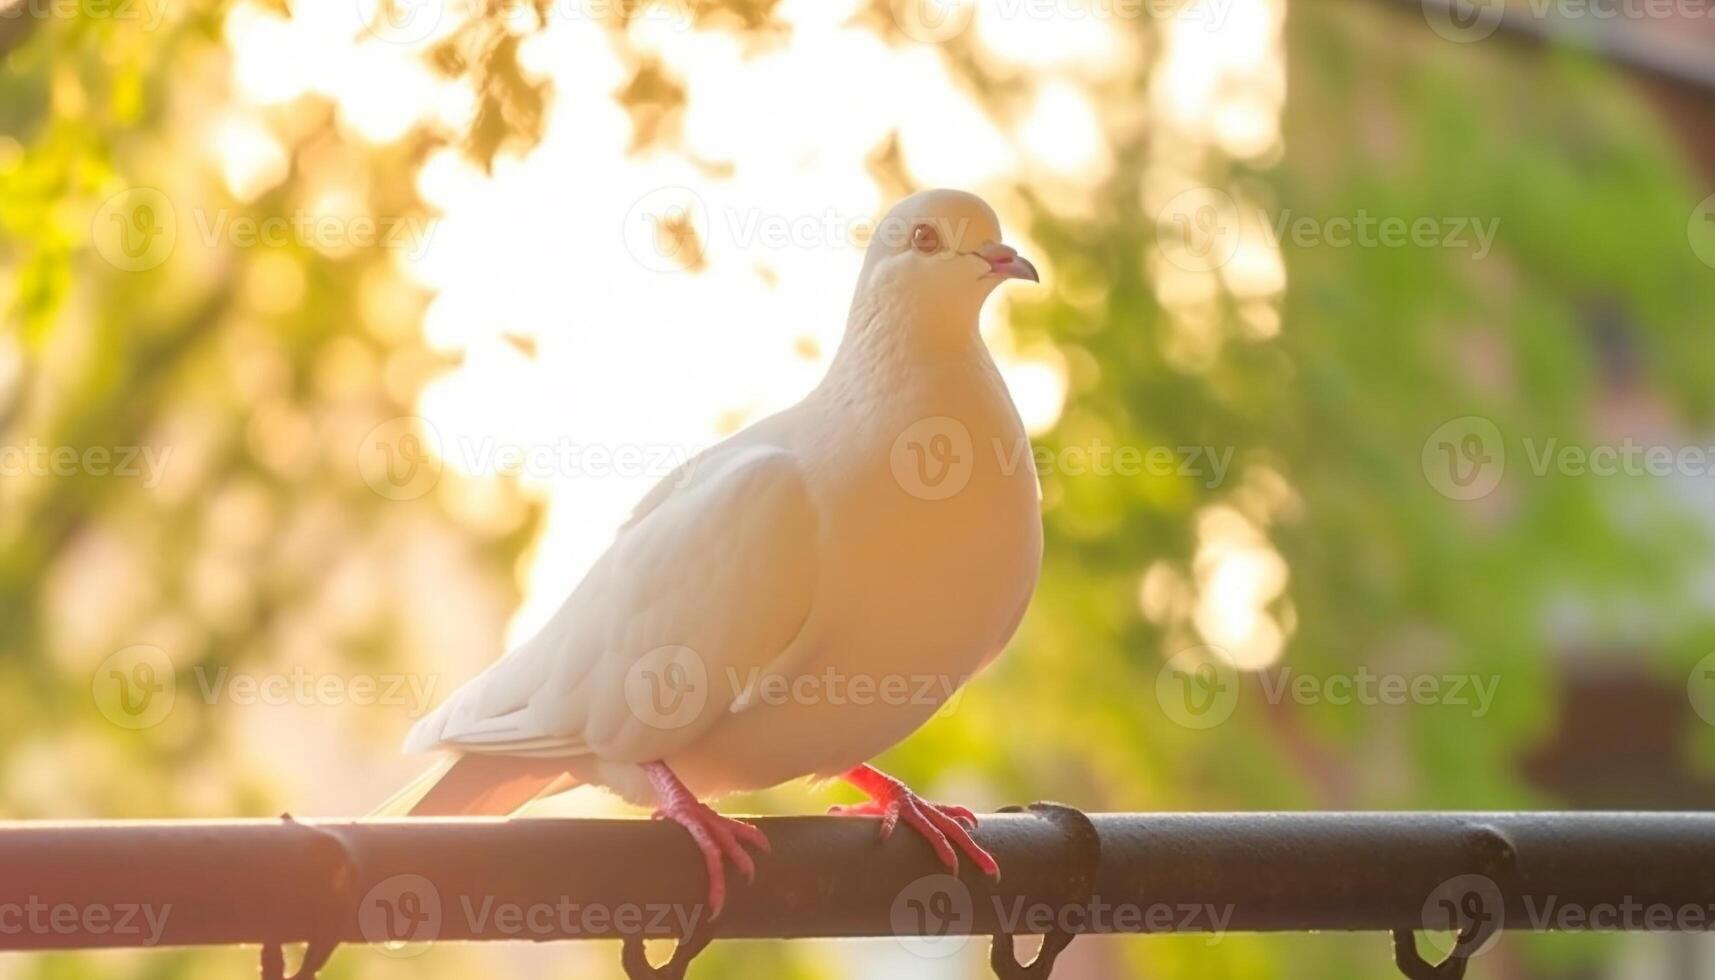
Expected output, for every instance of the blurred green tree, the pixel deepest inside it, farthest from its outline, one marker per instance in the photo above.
(1328, 384)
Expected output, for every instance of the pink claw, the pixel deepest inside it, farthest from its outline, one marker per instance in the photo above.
(721, 839)
(944, 827)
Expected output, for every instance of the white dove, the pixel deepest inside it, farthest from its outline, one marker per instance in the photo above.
(796, 599)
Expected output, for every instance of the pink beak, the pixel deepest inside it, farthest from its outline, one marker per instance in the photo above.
(1005, 263)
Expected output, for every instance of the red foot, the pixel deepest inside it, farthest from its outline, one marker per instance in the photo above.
(721, 839)
(942, 826)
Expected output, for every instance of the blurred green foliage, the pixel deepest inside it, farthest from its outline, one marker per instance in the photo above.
(1590, 305)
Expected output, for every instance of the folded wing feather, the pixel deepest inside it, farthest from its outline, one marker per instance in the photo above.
(720, 560)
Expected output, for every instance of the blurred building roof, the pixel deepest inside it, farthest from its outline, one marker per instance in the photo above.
(1669, 45)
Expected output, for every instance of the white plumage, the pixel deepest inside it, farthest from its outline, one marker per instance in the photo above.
(803, 595)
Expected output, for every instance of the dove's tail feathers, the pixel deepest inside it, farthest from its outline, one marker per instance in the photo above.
(400, 803)
(477, 786)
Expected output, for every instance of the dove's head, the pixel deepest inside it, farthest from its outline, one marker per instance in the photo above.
(939, 253)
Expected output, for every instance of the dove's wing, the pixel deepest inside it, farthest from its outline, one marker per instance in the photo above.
(710, 581)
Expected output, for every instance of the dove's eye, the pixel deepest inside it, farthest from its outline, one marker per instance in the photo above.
(925, 240)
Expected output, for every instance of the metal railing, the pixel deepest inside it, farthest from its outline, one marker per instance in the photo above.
(269, 883)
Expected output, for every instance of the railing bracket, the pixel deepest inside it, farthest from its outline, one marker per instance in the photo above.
(1082, 864)
(340, 866)
(1412, 964)
(637, 966)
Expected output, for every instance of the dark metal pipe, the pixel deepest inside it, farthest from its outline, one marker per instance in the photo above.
(66, 886)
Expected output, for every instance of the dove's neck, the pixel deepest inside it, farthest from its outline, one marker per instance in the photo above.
(887, 335)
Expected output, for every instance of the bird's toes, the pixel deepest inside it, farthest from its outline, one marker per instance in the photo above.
(742, 860)
(717, 896)
(954, 830)
(716, 868)
(733, 835)
(752, 835)
(984, 861)
(720, 839)
(961, 814)
(918, 819)
(890, 819)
